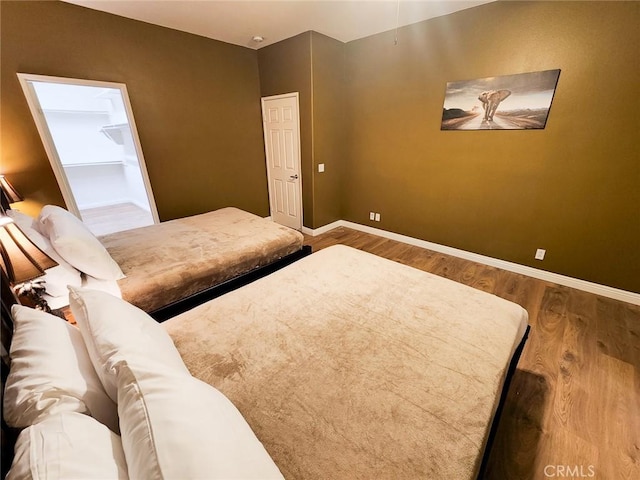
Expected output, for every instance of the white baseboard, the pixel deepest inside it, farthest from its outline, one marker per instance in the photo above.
(110, 203)
(142, 205)
(325, 228)
(106, 203)
(605, 291)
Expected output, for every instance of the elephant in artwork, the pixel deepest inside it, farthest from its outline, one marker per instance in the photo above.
(490, 101)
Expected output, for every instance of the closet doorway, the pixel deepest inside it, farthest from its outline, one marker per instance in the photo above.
(90, 137)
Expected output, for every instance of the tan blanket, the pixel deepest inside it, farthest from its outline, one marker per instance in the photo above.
(347, 365)
(172, 260)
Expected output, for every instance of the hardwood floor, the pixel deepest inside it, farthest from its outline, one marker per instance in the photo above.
(573, 409)
(115, 218)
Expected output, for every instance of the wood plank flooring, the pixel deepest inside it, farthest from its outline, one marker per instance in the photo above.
(115, 218)
(573, 409)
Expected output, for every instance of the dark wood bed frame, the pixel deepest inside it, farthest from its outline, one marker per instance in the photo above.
(9, 435)
(184, 304)
(503, 398)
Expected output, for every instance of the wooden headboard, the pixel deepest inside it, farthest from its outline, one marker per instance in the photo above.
(8, 434)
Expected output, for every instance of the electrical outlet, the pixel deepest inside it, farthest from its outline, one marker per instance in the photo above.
(540, 253)
(372, 216)
(377, 217)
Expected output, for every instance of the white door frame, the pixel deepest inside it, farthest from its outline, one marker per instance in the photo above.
(49, 145)
(263, 100)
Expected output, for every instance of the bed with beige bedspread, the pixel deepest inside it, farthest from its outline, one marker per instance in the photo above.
(348, 365)
(173, 260)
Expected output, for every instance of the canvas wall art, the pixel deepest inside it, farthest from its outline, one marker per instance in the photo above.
(508, 102)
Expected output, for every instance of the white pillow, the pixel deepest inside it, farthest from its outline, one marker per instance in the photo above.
(68, 446)
(56, 278)
(59, 277)
(21, 219)
(51, 372)
(175, 426)
(114, 330)
(109, 286)
(76, 244)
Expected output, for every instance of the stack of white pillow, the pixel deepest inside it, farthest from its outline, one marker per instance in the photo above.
(114, 400)
(69, 242)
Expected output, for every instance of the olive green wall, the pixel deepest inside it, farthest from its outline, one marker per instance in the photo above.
(196, 103)
(572, 188)
(329, 127)
(313, 65)
(285, 67)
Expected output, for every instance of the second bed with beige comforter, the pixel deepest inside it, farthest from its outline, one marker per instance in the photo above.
(170, 261)
(347, 365)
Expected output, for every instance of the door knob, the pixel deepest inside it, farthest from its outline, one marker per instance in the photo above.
(293, 177)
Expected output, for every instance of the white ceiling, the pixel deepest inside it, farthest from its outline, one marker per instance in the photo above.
(238, 21)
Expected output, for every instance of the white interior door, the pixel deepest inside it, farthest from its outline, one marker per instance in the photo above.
(282, 144)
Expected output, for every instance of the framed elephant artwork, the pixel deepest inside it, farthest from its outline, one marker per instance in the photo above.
(509, 102)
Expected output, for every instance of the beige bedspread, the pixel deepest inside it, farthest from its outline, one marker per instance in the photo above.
(172, 260)
(347, 365)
